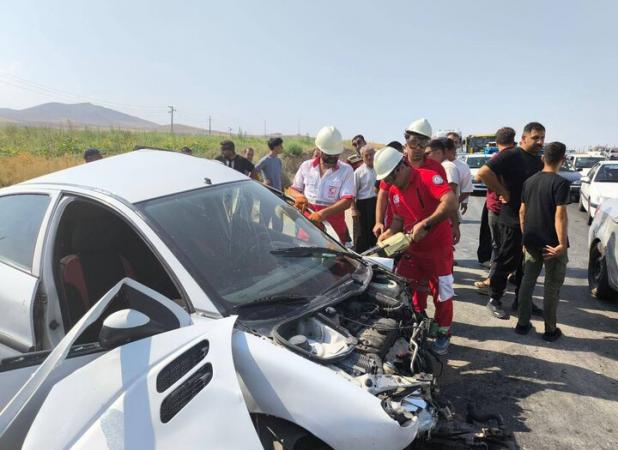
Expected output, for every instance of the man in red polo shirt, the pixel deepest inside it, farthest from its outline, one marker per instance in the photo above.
(325, 184)
(422, 203)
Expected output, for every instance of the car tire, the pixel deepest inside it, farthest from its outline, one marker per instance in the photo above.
(598, 279)
(581, 203)
(589, 215)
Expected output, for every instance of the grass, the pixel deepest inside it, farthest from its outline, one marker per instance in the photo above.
(27, 152)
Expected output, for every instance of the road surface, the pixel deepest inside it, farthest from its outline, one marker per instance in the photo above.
(560, 395)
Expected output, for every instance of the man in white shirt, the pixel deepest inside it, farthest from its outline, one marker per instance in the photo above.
(325, 184)
(453, 142)
(364, 207)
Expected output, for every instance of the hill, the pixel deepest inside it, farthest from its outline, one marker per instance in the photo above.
(79, 114)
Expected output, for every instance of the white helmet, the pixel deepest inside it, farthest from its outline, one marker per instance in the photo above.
(420, 126)
(329, 141)
(385, 160)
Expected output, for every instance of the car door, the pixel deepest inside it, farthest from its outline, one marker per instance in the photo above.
(176, 388)
(23, 219)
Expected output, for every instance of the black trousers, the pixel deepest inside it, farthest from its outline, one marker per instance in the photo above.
(364, 238)
(508, 259)
(483, 252)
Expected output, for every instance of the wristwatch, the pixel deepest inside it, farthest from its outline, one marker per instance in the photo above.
(427, 226)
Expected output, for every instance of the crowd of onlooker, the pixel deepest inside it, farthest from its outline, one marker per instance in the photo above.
(421, 188)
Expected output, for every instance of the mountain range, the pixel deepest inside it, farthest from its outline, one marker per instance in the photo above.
(84, 115)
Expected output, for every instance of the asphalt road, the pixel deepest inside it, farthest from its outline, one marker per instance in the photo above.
(560, 395)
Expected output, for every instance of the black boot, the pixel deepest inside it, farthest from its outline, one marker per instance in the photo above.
(496, 309)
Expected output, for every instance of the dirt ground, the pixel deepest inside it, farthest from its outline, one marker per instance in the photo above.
(560, 395)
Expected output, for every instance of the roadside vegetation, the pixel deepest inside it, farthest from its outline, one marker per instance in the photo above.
(27, 152)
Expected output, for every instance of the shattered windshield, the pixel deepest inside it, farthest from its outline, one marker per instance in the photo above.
(229, 237)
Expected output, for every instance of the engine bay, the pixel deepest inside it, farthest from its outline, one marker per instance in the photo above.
(365, 334)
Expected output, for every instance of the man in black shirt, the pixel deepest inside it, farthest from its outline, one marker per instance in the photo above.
(505, 175)
(231, 159)
(544, 223)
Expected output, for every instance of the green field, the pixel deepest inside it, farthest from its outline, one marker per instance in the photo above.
(26, 152)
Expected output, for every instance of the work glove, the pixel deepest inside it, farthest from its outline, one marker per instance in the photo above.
(301, 202)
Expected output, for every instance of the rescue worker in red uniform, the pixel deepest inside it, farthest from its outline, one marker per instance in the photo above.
(422, 203)
(325, 184)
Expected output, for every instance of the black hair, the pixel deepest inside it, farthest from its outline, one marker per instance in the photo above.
(186, 150)
(274, 142)
(554, 152)
(228, 145)
(533, 126)
(358, 136)
(437, 144)
(449, 144)
(506, 136)
(396, 145)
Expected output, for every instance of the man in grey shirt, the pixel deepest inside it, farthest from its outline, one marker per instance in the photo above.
(270, 165)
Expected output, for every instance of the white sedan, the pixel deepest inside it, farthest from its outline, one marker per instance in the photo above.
(603, 245)
(475, 162)
(599, 184)
(156, 300)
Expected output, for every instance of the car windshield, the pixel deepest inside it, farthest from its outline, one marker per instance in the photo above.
(586, 162)
(228, 237)
(476, 162)
(607, 173)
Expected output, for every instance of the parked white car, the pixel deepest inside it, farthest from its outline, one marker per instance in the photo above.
(600, 184)
(475, 161)
(603, 245)
(156, 300)
(583, 162)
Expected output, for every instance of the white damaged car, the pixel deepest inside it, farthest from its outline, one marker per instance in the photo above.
(156, 300)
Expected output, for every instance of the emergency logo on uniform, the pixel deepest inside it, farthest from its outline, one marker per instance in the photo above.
(332, 191)
(396, 199)
(437, 179)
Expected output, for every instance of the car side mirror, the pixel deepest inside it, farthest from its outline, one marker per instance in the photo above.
(127, 325)
(584, 179)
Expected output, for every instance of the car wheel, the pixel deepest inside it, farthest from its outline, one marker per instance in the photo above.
(581, 203)
(598, 280)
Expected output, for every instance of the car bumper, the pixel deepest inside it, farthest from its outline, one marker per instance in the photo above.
(479, 187)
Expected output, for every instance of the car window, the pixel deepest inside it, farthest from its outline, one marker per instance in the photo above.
(585, 162)
(476, 162)
(607, 173)
(20, 220)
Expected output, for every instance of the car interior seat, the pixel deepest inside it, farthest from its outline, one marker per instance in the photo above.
(95, 263)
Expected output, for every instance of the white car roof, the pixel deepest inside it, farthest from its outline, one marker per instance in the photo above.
(143, 174)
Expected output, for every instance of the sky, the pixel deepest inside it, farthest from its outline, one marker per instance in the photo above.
(286, 66)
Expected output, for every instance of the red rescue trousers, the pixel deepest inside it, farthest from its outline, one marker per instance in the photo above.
(431, 272)
(337, 221)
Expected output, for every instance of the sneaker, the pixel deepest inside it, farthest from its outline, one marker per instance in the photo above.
(551, 337)
(482, 287)
(523, 329)
(440, 345)
(496, 310)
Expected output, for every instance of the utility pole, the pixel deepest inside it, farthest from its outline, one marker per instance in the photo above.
(172, 110)
(209, 125)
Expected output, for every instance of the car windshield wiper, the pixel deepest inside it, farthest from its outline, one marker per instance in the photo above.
(304, 252)
(278, 298)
